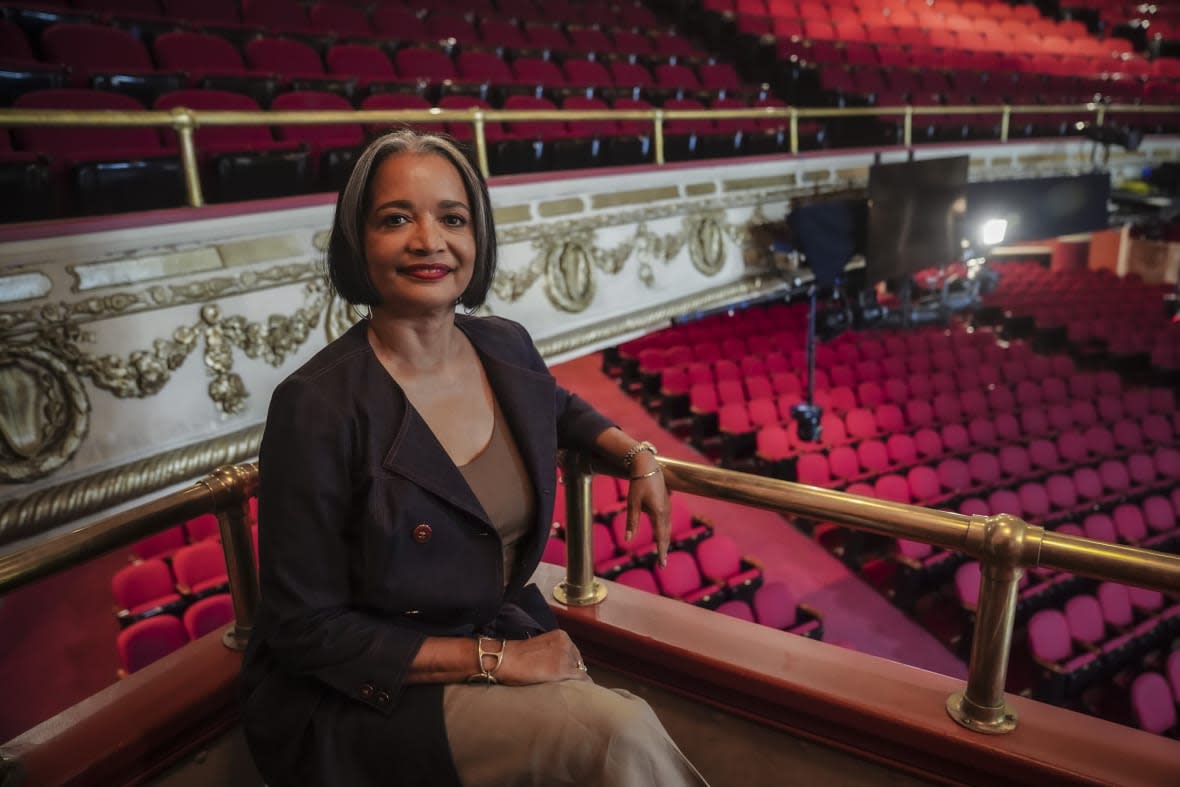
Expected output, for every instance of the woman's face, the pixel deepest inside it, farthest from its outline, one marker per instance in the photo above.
(419, 239)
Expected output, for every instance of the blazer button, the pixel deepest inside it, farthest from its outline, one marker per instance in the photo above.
(422, 533)
(366, 691)
(382, 697)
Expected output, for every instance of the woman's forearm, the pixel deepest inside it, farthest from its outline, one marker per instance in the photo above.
(614, 444)
(447, 660)
(546, 657)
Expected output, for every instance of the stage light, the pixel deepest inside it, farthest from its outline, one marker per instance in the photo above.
(992, 232)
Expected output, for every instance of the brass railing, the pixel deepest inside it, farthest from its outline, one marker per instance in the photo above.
(224, 492)
(1005, 545)
(185, 121)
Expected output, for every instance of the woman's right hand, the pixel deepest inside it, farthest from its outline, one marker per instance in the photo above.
(548, 657)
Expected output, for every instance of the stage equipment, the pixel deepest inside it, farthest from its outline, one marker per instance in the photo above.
(828, 230)
(915, 213)
(1104, 136)
(1033, 209)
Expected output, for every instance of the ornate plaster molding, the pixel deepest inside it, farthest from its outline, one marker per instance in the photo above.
(605, 332)
(159, 296)
(45, 413)
(568, 257)
(65, 503)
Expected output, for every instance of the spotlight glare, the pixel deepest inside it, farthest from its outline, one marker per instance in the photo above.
(994, 231)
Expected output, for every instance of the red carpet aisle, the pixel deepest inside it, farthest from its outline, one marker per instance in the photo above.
(854, 613)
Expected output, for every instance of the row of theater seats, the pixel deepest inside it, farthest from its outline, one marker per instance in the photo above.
(797, 48)
(1079, 451)
(84, 55)
(416, 18)
(1088, 642)
(472, 24)
(704, 567)
(62, 170)
(1092, 312)
(174, 590)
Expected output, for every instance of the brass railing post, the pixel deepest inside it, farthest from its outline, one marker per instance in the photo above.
(1007, 543)
(1005, 121)
(232, 487)
(794, 125)
(184, 123)
(908, 127)
(580, 588)
(657, 136)
(481, 142)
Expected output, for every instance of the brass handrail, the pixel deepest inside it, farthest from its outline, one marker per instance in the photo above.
(184, 121)
(225, 492)
(1005, 545)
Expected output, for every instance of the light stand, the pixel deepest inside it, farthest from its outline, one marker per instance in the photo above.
(807, 414)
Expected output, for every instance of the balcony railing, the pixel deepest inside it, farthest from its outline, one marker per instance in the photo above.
(185, 121)
(1005, 545)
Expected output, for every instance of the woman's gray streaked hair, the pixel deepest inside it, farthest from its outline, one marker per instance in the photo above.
(347, 266)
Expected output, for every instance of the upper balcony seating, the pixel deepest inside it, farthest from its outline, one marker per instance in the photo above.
(107, 58)
(344, 21)
(102, 170)
(20, 70)
(242, 162)
(401, 101)
(211, 61)
(333, 147)
(398, 23)
(368, 66)
(298, 65)
(279, 17)
(442, 26)
(26, 192)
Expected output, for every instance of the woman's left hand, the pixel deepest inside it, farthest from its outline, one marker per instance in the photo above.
(648, 494)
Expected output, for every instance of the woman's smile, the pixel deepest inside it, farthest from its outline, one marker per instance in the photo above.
(427, 272)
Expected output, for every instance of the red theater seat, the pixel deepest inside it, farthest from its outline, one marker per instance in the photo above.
(211, 61)
(146, 641)
(208, 614)
(102, 170)
(244, 162)
(144, 589)
(334, 147)
(107, 58)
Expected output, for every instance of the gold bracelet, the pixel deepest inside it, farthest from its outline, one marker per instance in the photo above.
(648, 474)
(635, 450)
(486, 675)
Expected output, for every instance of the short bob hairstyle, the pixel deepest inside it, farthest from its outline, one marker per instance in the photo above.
(347, 267)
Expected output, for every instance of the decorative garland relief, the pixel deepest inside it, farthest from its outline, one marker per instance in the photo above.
(45, 416)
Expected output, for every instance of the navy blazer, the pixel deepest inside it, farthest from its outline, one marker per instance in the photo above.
(370, 540)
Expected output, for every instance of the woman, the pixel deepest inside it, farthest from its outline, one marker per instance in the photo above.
(408, 478)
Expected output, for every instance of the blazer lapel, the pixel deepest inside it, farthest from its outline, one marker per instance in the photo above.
(527, 400)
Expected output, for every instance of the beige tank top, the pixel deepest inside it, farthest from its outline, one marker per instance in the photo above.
(501, 483)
